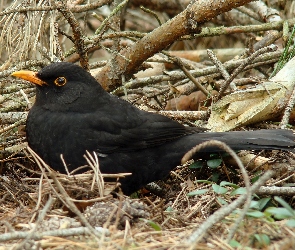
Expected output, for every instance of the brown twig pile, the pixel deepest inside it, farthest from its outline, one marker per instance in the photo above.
(36, 212)
(154, 54)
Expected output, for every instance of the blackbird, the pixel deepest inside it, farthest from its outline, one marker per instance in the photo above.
(73, 113)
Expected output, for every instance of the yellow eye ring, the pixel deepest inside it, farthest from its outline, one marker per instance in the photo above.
(60, 81)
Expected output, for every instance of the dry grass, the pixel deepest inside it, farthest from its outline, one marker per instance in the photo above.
(169, 221)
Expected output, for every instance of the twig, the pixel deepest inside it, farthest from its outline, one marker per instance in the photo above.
(7, 225)
(249, 13)
(39, 236)
(208, 71)
(114, 12)
(189, 75)
(12, 117)
(59, 53)
(283, 179)
(152, 13)
(287, 191)
(221, 68)
(238, 70)
(285, 55)
(288, 109)
(77, 33)
(38, 203)
(94, 164)
(218, 31)
(22, 65)
(21, 10)
(16, 124)
(90, 6)
(40, 218)
(180, 115)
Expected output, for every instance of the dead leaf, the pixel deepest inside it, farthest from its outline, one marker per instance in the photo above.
(265, 101)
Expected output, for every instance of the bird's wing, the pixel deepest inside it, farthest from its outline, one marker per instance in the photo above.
(133, 130)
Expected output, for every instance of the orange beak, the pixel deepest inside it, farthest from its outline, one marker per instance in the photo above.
(30, 76)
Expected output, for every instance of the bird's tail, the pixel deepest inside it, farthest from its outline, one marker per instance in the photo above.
(282, 139)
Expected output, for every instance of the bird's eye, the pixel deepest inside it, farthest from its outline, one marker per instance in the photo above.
(60, 81)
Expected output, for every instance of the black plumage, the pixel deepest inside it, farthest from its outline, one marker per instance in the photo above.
(73, 113)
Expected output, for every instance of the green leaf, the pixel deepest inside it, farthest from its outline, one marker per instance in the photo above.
(226, 183)
(291, 223)
(234, 243)
(169, 209)
(214, 155)
(154, 225)
(215, 177)
(214, 163)
(262, 239)
(289, 185)
(134, 195)
(279, 213)
(218, 189)
(255, 178)
(255, 214)
(254, 205)
(204, 181)
(222, 201)
(262, 203)
(198, 192)
(196, 164)
(240, 190)
(285, 205)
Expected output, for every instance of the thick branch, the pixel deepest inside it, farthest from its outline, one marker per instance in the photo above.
(183, 24)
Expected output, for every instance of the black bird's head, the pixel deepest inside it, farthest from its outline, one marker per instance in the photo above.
(62, 86)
